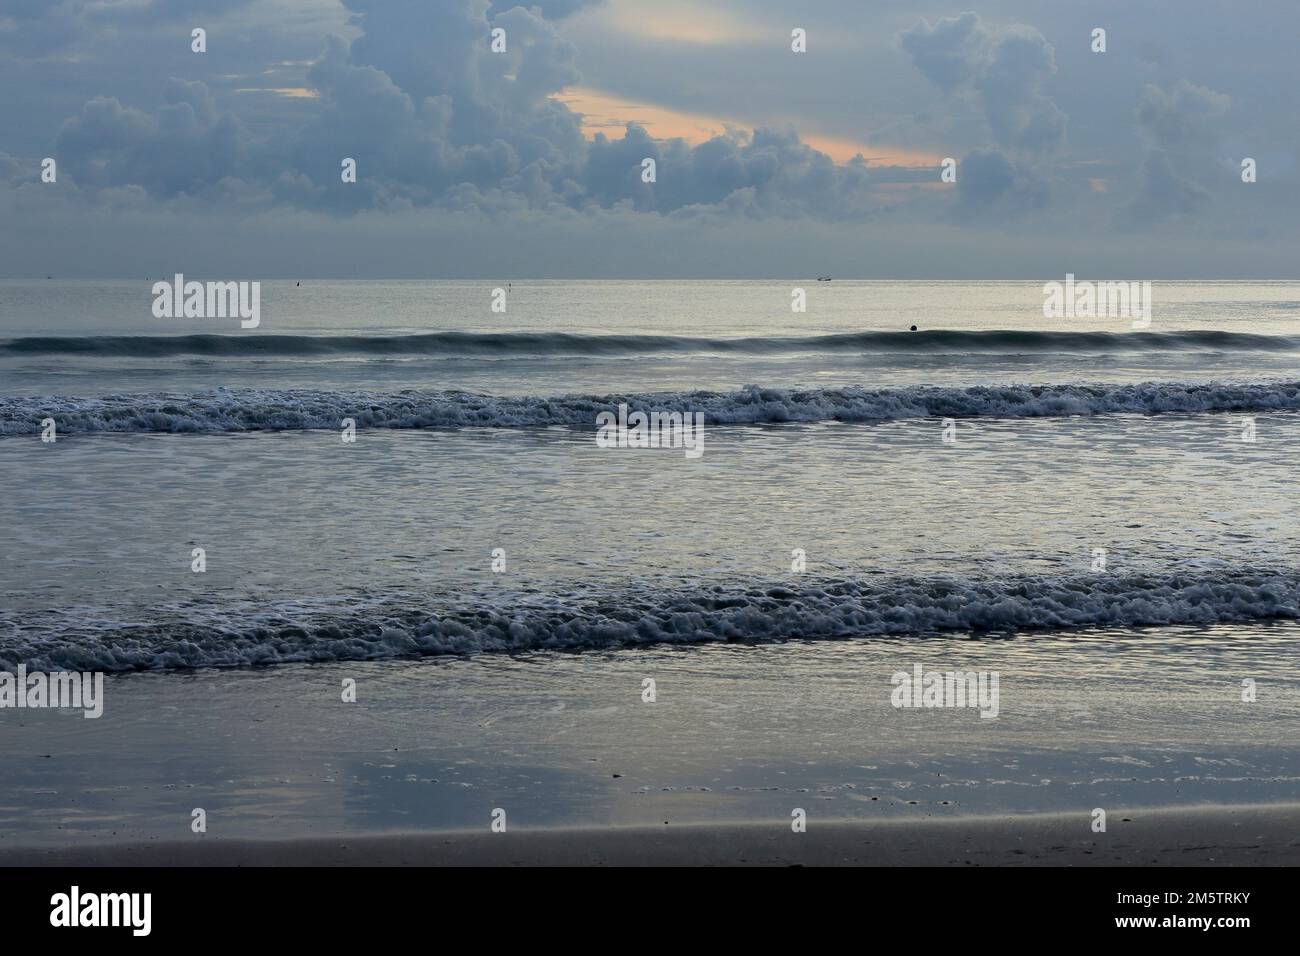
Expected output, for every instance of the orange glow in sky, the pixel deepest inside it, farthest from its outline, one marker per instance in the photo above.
(604, 112)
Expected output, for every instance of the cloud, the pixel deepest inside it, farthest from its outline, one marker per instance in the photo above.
(184, 148)
(423, 122)
(988, 178)
(771, 172)
(437, 122)
(1182, 118)
(411, 90)
(1179, 127)
(949, 52)
(434, 117)
(551, 9)
(1019, 114)
(39, 27)
(1003, 68)
(452, 123)
(42, 27)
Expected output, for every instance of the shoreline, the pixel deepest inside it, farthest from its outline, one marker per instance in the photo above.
(1243, 835)
(432, 747)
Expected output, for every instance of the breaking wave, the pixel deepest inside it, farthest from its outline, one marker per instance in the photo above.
(405, 625)
(238, 410)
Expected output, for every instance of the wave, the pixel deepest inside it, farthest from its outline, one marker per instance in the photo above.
(238, 410)
(405, 625)
(503, 344)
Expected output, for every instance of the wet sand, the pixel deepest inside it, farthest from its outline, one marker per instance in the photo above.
(1199, 836)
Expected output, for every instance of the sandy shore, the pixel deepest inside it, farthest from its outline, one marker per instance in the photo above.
(1201, 836)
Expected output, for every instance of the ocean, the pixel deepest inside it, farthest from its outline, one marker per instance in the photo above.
(1104, 515)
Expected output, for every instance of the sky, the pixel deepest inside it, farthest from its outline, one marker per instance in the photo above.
(769, 163)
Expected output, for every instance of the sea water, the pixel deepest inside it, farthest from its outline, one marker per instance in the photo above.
(1027, 482)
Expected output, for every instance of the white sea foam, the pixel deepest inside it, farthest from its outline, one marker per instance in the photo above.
(234, 410)
(406, 625)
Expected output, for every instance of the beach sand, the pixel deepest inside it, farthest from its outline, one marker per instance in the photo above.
(1200, 836)
(739, 738)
